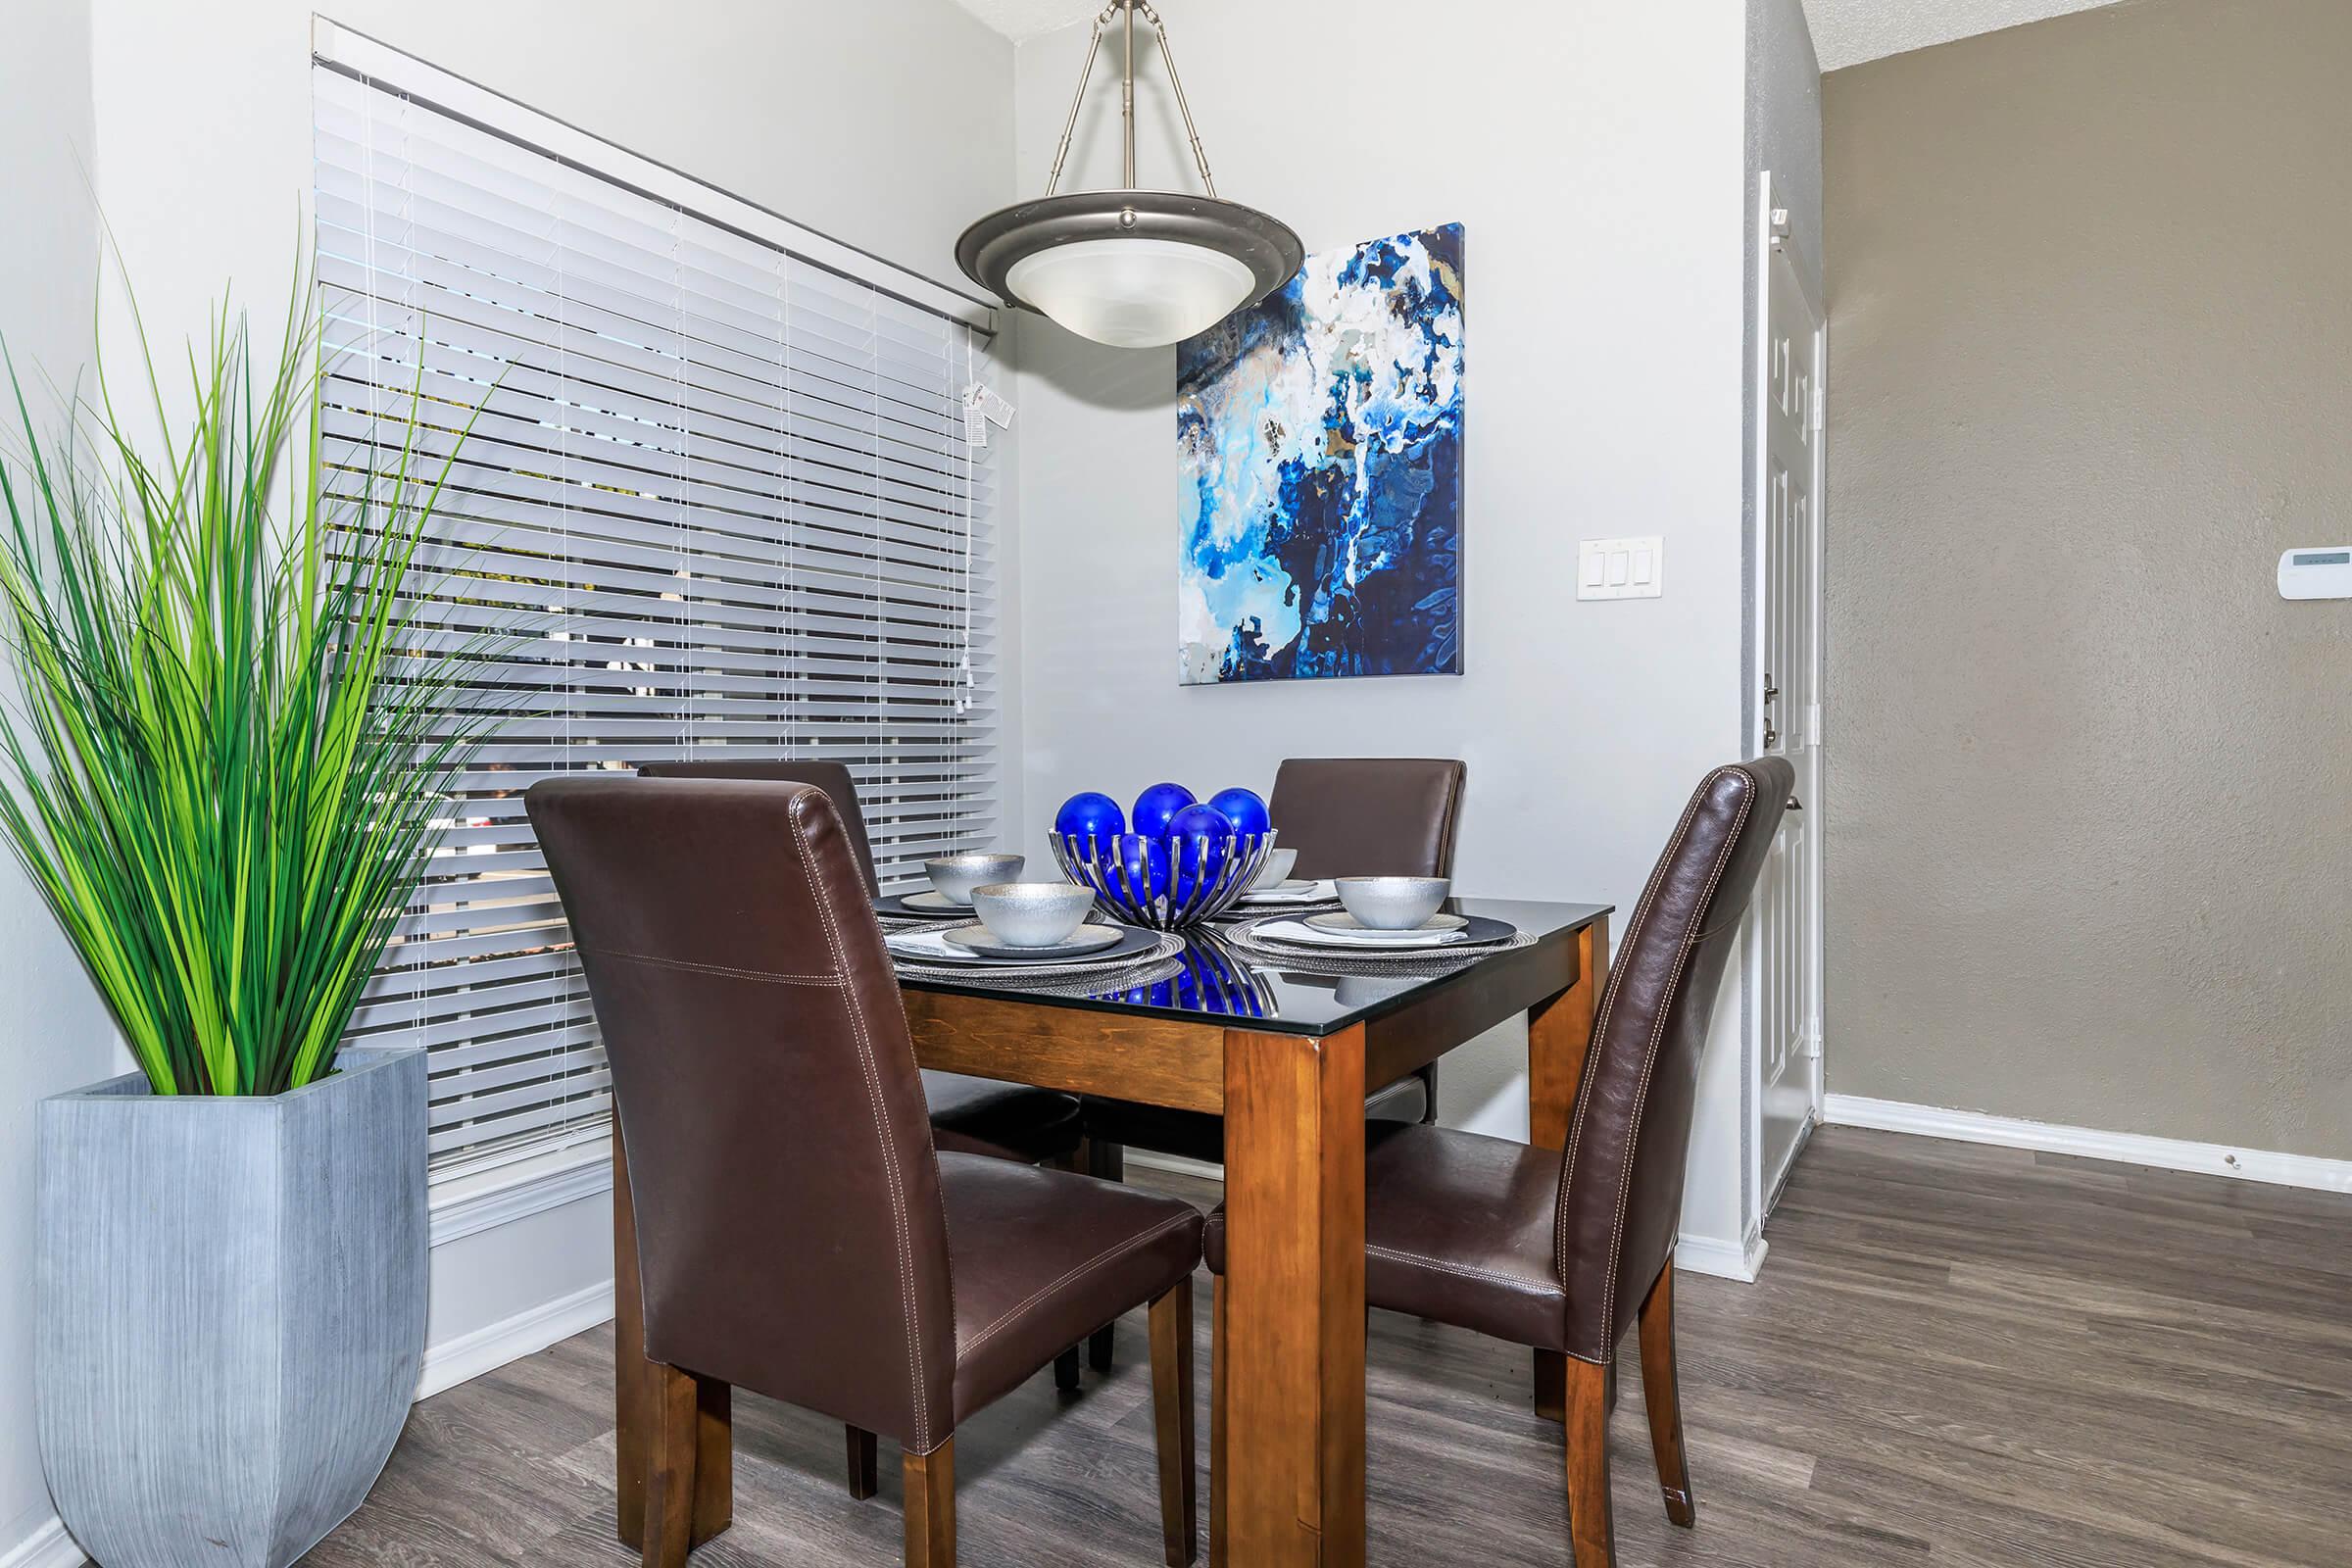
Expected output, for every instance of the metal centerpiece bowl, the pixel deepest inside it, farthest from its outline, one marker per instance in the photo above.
(1163, 883)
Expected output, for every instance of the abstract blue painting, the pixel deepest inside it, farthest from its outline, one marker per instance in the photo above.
(1319, 441)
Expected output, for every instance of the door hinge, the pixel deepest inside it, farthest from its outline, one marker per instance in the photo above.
(1821, 403)
(1808, 1044)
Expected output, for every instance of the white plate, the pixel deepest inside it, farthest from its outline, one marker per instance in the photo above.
(935, 901)
(1299, 934)
(978, 938)
(1339, 920)
(1292, 892)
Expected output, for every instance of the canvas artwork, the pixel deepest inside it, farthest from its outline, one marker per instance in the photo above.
(1319, 441)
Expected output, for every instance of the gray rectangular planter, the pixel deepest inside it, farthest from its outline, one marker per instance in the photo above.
(232, 1297)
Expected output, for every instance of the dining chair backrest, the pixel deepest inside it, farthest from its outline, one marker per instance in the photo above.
(1621, 1178)
(1368, 815)
(831, 777)
(790, 1235)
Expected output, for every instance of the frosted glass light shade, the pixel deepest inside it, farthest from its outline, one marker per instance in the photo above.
(1132, 292)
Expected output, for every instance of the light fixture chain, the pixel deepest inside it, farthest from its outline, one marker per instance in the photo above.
(1093, 46)
(1167, 58)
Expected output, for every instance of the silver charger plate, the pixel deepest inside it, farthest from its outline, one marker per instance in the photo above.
(1341, 920)
(977, 938)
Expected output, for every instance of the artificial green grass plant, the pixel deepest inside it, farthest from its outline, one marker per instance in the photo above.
(227, 757)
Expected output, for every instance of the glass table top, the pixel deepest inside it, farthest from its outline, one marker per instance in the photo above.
(1215, 980)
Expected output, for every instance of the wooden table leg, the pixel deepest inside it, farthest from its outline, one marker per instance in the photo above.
(636, 1392)
(1294, 1284)
(1558, 1034)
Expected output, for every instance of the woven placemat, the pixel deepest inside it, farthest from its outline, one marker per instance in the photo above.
(1244, 937)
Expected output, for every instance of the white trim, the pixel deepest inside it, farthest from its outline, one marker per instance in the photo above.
(337, 46)
(48, 1546)
(1712, 1254)
(2132, 1148)
(1700, 1255)
(509, 1193)
(526, 1333)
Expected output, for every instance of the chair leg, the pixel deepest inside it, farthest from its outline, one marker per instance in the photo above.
(929, 1482)
(1661, 1390)
(866, 1464)
(669, 1466)
(1106, 1163)
(1172, 1423)
(1065, 1370)
(1218, 1477)
(1588, 1424)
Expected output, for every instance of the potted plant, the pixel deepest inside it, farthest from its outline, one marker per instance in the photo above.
(224, 763)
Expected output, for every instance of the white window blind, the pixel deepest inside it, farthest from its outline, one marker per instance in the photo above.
(720, 502)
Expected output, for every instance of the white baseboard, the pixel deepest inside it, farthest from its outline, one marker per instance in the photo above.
(1700, 1255)
(48, 1546)
(493, 1346)
(2130, 1149)
(1711, 1254)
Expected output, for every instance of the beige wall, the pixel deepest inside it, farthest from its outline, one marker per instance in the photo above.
(2091, 370)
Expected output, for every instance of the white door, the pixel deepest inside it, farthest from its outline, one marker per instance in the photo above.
(1784, 927)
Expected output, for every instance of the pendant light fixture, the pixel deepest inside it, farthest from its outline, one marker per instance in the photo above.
(1130, 267)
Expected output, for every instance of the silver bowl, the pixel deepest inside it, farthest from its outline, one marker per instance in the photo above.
(955, 875)
(1277, 869)
(1393, 903)
(1032, 914)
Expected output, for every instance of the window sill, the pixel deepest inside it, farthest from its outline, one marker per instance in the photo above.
(475, 1203)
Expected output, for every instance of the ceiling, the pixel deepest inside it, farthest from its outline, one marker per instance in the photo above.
(1846, 32)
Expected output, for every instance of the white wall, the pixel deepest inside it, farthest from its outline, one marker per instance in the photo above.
(886, 124)
(53, 1034)
(1595, 154)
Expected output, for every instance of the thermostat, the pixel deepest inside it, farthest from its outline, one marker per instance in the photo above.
(2325, 572)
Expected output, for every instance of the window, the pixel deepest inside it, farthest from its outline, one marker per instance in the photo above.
(717, 500)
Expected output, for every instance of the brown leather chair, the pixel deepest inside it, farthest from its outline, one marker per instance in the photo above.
(1565, 1251)
(970, 1116)
(797, 1232)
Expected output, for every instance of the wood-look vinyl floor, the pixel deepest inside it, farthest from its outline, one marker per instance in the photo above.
(1956, 1355)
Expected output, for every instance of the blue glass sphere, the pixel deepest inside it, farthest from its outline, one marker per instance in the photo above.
(1244, 810)
(1090, 816)
(1137, 866)
(1199, 839)
(1156, 807)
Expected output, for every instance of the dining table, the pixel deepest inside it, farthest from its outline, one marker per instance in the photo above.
(1285, 1047)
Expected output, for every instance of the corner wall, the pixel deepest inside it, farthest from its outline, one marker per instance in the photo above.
(53, 1032)
(1595, 156)
(2089, 332)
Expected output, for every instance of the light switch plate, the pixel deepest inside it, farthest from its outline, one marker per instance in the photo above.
(1621, 568)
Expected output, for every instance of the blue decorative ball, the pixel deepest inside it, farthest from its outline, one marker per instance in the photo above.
(1198, 837)
(1156, 807)
(1090, 816)
(1244, 811)
(1137, 866)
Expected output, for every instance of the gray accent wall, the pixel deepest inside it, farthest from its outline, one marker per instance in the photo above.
(2091, 372)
